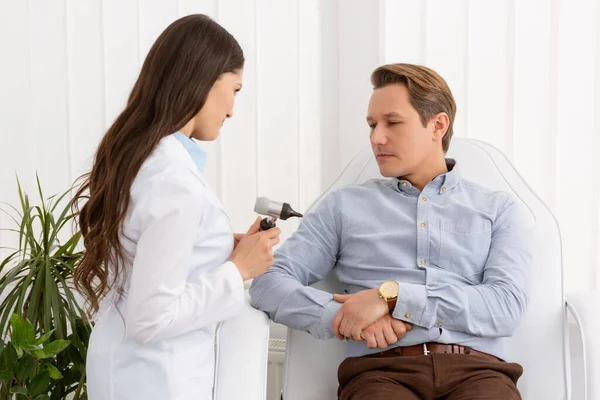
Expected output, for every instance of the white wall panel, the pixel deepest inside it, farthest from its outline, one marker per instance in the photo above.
(86, 86)
(239, 134)
(524, 75)
(277, 102)
(49, 96)
(575, 180)
(17, 144)
(121, 54)
(489, 110)
(446, 51)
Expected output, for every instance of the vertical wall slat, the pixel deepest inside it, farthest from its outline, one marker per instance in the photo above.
(575, 146)
(49, 97)
(277, 100)
(488, 72)
(86, 82)
(238, 136)
(354, 74)
(446, 48)
(403, 20)
(310, 86)
(154, 17)
(329, 67)
(534, 137)
(596, 144)
(17, 144)
(121, 54)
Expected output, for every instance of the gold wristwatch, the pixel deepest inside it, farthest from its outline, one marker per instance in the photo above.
(389, 292)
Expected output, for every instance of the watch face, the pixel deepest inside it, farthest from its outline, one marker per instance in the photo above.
(389, 289)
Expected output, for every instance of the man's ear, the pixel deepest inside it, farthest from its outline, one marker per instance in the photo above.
(440, 125)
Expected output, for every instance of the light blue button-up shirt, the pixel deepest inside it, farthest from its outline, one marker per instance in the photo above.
(198, 155)
(458, 251)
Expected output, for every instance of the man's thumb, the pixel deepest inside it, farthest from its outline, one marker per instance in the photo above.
(341, 298)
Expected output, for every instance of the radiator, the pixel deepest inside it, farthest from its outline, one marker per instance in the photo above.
(275, 368)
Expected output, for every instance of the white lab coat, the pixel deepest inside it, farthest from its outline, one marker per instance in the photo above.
(157, 341)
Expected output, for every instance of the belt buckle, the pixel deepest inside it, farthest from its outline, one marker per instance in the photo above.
(426, 351)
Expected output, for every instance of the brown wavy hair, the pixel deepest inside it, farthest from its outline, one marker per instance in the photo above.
(176, 77)
(428, 92)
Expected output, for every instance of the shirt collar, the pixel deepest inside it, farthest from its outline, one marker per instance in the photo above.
(442, 183)
(198, 155)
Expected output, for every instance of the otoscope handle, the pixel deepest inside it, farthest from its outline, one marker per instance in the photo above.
(267, 223)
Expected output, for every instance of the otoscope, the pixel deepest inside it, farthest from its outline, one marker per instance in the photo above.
(273, 210)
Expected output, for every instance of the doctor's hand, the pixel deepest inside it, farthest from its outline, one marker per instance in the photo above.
(254, 228)
(254, 253)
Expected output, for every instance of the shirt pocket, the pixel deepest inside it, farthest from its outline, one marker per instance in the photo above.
(464, 246)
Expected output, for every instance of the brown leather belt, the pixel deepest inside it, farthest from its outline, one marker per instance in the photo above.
(437, 348)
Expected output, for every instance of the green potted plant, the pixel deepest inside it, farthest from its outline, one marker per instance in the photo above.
(28, 368)
(36, 284)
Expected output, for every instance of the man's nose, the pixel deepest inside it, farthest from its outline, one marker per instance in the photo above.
(378, 136)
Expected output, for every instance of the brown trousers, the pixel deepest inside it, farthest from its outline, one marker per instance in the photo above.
(390, 376)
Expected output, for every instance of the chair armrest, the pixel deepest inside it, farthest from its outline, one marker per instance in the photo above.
(585, 308)
(242, 347)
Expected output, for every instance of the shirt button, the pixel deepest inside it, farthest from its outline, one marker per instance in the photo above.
(423, 224)
(423, 262)
(424, 199)
(403, 184)
(407, 315)
(439, 324)
(444, 189)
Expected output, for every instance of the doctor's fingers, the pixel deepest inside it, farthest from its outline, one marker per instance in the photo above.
(274, 242)
(271, 233)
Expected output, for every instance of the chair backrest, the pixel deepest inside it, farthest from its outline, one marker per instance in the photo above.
(539, 344)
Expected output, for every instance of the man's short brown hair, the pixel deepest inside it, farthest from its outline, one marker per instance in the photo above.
(428, 92)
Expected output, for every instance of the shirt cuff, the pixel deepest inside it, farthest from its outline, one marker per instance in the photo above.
(411, 303)
(324, 328)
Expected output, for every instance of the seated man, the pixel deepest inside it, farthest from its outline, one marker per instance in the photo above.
(434, 268)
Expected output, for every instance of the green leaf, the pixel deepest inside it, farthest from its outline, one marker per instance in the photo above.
(44, 338)
(57, 393)
(19, 352)
(30, 348)
(18, 389)
(6, 376)
(42, 397)
(39, 384)
(25, 369)
(53, 371)
(40, 354)
(55, 347)
(10, 359)
(22, 330)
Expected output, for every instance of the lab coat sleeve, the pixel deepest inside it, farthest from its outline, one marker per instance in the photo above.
(163, 301)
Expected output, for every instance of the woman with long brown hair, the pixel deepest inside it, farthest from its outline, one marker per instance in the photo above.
(161, 268)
